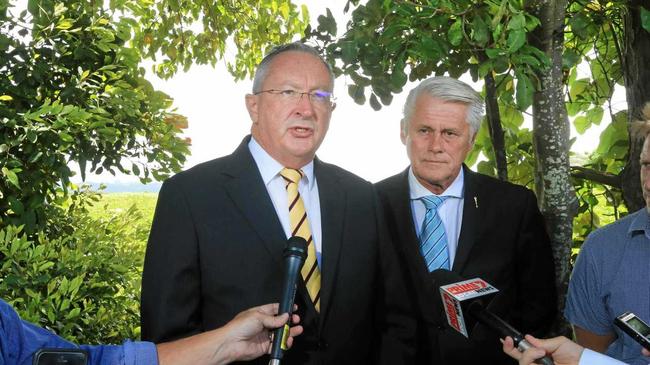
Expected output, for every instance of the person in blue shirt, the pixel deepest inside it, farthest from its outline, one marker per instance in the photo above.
(610, 276)
(245, 337)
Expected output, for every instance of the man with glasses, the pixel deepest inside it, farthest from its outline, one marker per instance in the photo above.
(219, 230)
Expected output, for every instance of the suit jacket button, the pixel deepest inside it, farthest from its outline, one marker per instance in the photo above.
(322, 345)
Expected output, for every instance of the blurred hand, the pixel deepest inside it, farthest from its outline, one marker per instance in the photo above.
(561, 349)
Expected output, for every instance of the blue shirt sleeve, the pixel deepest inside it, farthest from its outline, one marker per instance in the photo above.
(586, 300)
(20, 340)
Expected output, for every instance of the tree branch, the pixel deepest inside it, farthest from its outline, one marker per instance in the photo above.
(600, 177)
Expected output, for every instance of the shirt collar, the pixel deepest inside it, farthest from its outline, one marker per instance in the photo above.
(455, 190)
(640, 223)
(270, 168)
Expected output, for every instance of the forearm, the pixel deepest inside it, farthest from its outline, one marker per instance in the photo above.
(207, 348)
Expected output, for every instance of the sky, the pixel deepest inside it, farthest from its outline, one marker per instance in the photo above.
(361, 140)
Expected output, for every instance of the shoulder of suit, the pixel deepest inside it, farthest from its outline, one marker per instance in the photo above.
(490, 183)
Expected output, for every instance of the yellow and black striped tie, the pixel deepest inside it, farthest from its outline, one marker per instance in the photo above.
(300, 227)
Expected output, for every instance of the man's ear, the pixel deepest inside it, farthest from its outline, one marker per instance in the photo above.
(251, 106)
(402, 133)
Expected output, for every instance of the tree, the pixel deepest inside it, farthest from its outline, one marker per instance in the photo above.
(528, 54)
(72, 89)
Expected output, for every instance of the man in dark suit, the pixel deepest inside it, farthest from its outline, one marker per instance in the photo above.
(220, 228)
(481, 227)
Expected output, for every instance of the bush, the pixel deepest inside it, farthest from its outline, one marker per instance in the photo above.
(84, 284)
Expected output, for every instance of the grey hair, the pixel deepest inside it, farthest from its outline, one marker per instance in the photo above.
(448, 89)
(263, 66)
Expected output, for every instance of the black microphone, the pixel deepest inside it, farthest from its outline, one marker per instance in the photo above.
(294, 254)
(465, 303)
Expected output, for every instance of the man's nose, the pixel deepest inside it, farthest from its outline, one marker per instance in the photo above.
(305, 107)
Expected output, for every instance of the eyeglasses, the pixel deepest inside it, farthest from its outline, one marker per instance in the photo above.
(319, 97)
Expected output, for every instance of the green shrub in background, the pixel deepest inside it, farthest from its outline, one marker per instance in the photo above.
(83, 284)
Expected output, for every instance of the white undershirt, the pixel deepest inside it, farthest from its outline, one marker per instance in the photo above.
(275, 185)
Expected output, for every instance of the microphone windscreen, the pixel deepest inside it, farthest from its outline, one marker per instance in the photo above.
(296, 246)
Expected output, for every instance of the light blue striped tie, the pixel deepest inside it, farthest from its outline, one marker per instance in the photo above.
(433, 240)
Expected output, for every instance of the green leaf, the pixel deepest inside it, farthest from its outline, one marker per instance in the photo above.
(579, 25)
(357, 93)
(66, 137)
(645, 19)
(11, 177)
(327, 24)
(595, 115)
(581, 123)
(517, 22)
(398, 78)
(6, 98)
(349, 51)
(64, 24)
(516, 39)
(455, 33)
(570, 58)
(525, 91)
(480, 32)
(374, 103)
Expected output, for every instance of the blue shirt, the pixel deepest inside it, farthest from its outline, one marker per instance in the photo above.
(450, 211)
(19, 341)
(612, 276)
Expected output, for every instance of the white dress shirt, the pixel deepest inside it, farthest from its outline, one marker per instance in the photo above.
(275, 185)
(450, 211)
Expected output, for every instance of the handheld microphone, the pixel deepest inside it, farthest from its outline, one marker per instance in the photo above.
(294, 254)
(465, 303)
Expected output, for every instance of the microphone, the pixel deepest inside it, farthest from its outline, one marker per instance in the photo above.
(465, 303)
(294, 255)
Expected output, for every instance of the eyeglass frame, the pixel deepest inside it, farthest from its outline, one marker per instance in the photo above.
(331, 101)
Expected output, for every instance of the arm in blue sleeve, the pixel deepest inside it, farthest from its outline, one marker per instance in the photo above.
(19, 341)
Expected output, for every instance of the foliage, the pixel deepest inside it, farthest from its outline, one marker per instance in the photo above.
(73, 92)
(84, 285)
(182, 32)
(387, 43)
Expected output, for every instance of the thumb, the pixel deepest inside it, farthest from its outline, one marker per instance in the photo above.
(275, 321)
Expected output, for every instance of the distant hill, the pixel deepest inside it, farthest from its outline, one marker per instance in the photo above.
(127, 187)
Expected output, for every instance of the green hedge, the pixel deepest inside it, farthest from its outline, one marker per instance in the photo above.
(83, 284)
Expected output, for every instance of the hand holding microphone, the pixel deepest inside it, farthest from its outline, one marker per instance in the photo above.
(294, 257)
(465, 303)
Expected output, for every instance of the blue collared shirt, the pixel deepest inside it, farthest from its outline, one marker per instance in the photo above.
(20, 340)
(451, 211)
(307, 187)
(612, 276)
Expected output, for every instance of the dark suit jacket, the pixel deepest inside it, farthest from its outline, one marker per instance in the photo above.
(215, 249)
(503, 241)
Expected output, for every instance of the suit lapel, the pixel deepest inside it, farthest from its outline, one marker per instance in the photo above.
(400, 203)
(470, 221)
(249, 194)
(332, 207)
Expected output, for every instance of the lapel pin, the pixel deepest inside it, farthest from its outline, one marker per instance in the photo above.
(475, 202)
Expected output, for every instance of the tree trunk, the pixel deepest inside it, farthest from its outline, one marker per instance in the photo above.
(494, 124)
(636, 74)
(551, 134)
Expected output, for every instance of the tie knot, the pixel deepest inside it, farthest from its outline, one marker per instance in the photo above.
(432, 202)
(291, 175)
